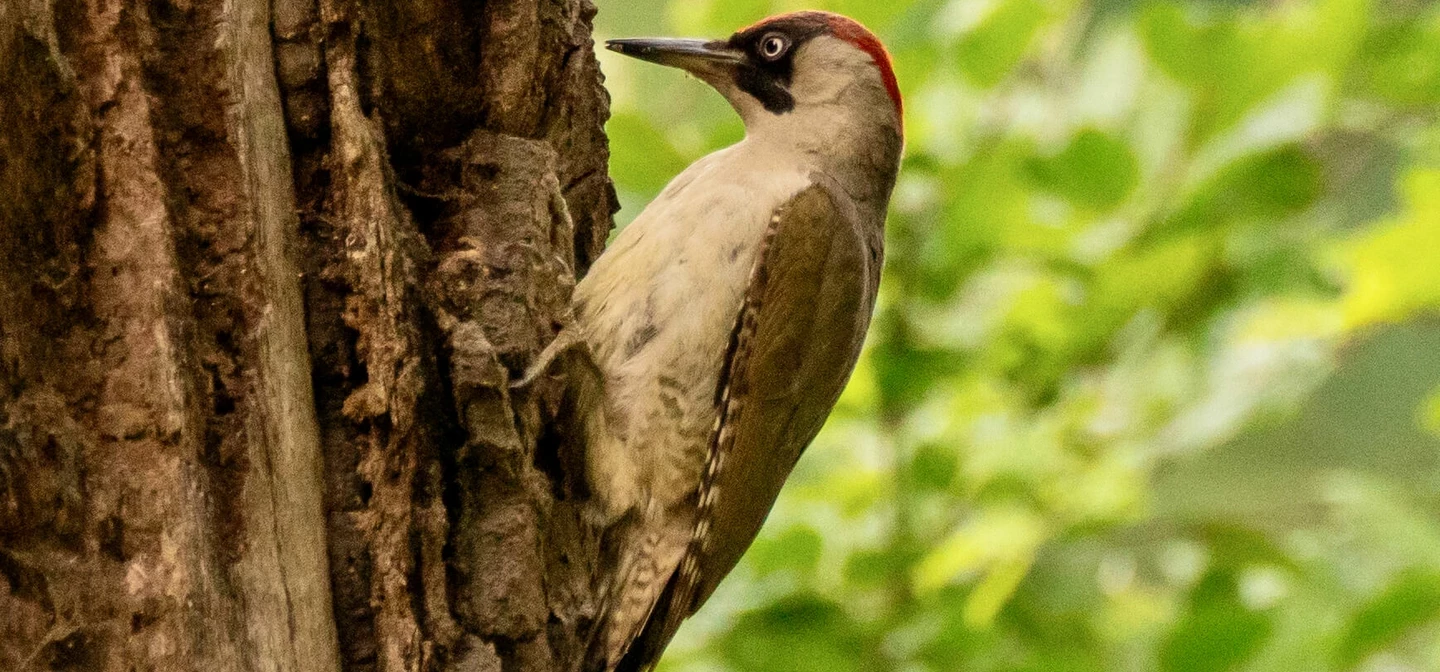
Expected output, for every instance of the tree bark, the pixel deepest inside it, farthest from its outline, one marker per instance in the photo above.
(270, 268)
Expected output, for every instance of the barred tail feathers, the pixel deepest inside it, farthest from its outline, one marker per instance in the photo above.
(645, 569)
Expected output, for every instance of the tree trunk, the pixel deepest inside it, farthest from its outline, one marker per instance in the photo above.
(269, 270)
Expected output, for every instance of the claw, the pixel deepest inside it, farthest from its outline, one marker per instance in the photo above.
(568, 341)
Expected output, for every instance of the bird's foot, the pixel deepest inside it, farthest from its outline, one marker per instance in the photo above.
(568, 343)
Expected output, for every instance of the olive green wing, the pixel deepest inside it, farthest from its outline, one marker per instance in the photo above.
(795, 342)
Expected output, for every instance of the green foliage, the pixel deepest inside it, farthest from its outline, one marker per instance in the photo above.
(1219, 633)
(1095, 171)
(1413, 600)
(990, 50)
(1155, 379)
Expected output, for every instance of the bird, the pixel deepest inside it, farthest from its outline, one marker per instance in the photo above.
(724, 321)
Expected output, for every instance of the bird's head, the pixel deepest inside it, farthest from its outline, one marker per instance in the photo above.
(806, 70)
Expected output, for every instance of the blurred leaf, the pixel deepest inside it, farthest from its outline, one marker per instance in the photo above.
(1234, 547)
(1393, 270)
(934, 467)
(1188, 49)
(797, 548)
(1400, 61)
(1095, 171)
(1271, 185)
(1430, 413)
(1000, 542)
(798, 634)
(717, 18)
(648, 161)
(873, 568)
(1160, 275)
(1218, 634)
(1412, 599)
(988, 52)
(1234, 60)
(986, 199)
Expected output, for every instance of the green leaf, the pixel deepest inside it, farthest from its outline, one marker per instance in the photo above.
(934, 467)
(1392, 267)
(643, 159)
(989, 52)
(1400, 62)
(805, 633)
(1094, 171)
(1409, 601)
(1270, 185)
(1219, 633)
(797, 548)
(1186, 48)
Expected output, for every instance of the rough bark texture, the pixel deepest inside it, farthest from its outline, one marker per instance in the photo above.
(269, 269)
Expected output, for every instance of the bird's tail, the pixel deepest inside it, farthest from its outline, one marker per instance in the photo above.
(647, 561)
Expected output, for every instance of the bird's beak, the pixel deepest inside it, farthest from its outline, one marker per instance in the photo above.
(698, 57)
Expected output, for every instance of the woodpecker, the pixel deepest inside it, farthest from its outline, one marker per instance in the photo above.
(724, 321)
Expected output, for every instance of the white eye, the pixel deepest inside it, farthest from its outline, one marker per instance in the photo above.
(774, 46)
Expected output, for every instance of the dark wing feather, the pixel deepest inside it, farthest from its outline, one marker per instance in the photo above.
(795, 343)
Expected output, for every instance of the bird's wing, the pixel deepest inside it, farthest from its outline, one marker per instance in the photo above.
(795, 341)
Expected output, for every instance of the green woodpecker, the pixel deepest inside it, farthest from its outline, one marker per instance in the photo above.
(726, 318)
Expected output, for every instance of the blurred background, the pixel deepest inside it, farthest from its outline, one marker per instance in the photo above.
(1155, 379)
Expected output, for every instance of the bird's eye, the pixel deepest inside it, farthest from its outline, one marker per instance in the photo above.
(774, 46)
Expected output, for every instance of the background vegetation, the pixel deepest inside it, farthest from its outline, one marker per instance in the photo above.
(1155, 382)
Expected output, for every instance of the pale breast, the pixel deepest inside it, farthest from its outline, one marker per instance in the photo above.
(659, 306)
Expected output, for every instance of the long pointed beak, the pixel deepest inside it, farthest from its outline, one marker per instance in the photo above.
(693, 56)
